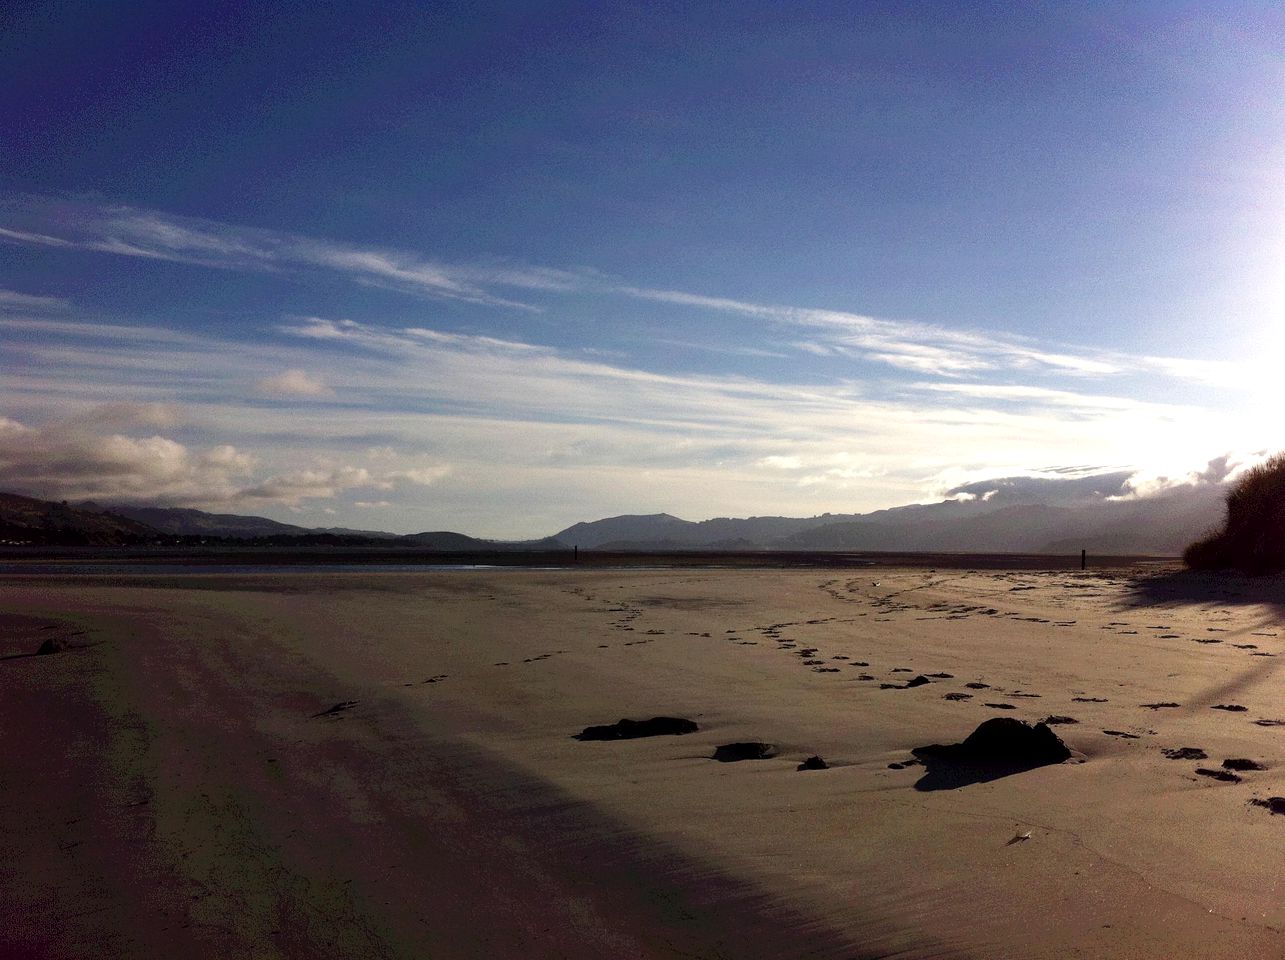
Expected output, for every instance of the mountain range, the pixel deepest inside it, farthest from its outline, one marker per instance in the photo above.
(1007, 516)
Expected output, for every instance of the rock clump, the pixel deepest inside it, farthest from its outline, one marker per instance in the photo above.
(634, 729)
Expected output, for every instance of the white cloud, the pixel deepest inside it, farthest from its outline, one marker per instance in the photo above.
(291, 488)
(13, 300)
(295, 383)
(149, 234)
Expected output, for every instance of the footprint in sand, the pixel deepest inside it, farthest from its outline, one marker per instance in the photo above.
(1121, 734)
(977, 685)
(1229, 707)
(1226, 776)
(1185, 753)
(1269, 723)
(1089, 700)
(958, 696)
(1001, 706)
(1159, 706)
(1242, 764)
(1056, 719)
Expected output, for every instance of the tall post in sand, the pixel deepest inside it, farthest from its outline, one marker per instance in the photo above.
(1083, 559)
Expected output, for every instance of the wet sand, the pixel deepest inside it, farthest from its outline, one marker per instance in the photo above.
(384, 765)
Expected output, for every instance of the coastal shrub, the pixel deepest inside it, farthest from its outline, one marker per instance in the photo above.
(1253, 535)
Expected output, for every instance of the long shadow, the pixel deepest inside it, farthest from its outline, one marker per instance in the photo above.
(1191, 586)
(1226, 589)
(942, 773)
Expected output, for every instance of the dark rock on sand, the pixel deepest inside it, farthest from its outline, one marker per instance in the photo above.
(1274, 804)
(1242, 764)
(997, 748)
(745, 750)
(1057, 718)
(958, 696)
(918, 681)
(1229, 707)
(1185, 753)
(633, 729)
(52, 645)
(814, 763)
(1160, 706)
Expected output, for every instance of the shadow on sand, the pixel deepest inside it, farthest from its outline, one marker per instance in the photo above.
(1213, 587)
(945, 774)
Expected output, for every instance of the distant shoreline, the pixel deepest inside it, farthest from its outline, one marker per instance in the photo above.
(37, 559)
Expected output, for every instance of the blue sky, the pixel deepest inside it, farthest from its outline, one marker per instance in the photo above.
(432, 266)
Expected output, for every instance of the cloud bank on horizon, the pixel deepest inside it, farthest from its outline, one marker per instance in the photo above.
(358, 343)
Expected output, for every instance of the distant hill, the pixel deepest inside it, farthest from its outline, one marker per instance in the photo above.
(1016, 516)
(180, 521)
(663, 531)
(26, 520)
(446, 542)
(1161, 526)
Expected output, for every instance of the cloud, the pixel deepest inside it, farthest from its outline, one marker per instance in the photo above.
(82, 458)
(12, 300)
(371, 504)
(931, 349)
(149, 234)
(1058, 491)
(98, 454)
(291, 488)
(295, 383)
(422, 476)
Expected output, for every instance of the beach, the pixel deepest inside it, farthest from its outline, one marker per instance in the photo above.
(385, 764)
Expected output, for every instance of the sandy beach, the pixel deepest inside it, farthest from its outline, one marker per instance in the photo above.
(385, 764)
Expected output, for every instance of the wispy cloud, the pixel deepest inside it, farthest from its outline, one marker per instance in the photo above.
(131, 232)
(931, 349)
(11, 300)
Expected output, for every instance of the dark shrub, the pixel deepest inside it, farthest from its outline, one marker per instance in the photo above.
(1253, 535)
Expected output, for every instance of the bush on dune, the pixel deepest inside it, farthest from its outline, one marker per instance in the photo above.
(1253, 536)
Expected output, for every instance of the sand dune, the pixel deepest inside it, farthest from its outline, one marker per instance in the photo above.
(387, 764)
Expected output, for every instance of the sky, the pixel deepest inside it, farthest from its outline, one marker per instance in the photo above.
(501, 268)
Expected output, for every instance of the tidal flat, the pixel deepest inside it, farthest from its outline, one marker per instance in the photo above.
(391, 764)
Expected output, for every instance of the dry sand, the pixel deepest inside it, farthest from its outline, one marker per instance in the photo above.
(167, 788)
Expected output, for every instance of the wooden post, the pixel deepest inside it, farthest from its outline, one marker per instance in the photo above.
(1083, 559)
(575, 558)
